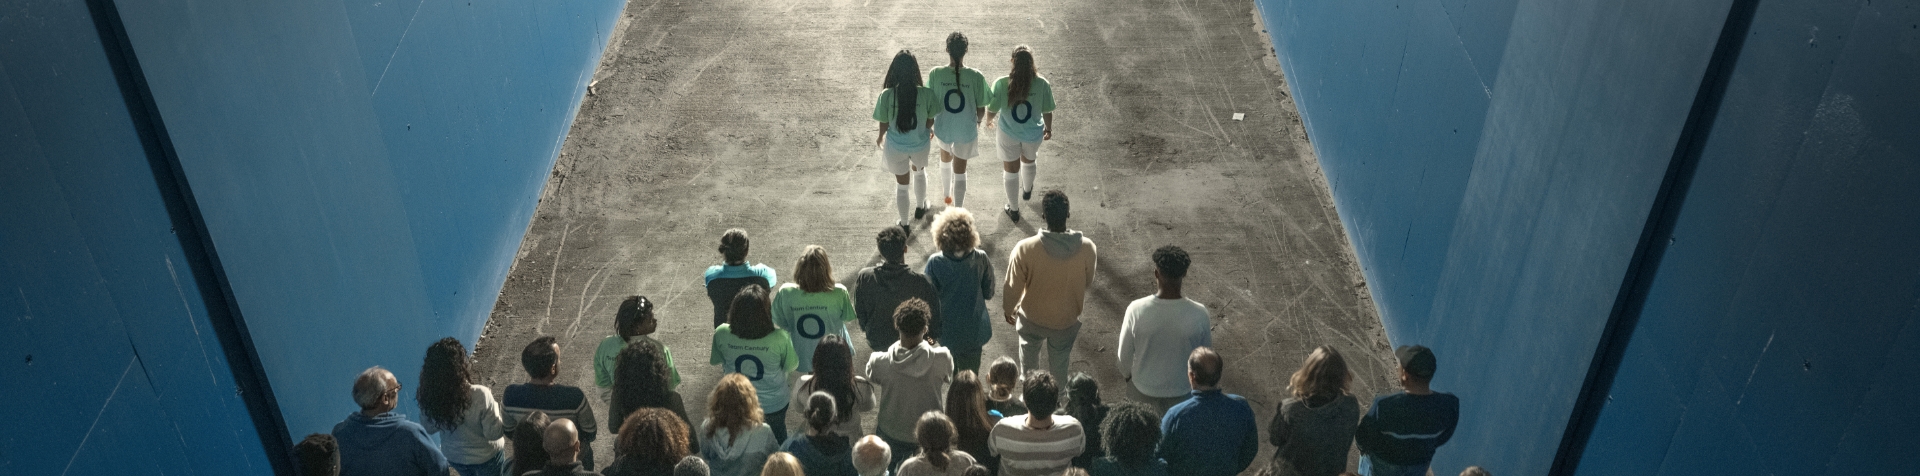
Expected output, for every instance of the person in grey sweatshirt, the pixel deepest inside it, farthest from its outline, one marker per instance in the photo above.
(878, 290)
(912, 375)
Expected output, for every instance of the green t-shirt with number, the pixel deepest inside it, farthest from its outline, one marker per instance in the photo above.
(954, 122)
(1024, 120)
(765, 362)
(807, 317)
(912, 140)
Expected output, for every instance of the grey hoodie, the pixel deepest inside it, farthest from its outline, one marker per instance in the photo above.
(1060, 245)
(912, 382)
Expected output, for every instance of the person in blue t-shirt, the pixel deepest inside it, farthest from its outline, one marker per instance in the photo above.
(725, 280)
(1400, 432)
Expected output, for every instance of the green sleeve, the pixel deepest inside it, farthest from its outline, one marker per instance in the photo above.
(929, 103)
(668, 352)
(782, 313)
(883, 108)
(980, 89)
(714, 357)
(846, 307)
(1046, 94)
(789, 359)
(999, 95)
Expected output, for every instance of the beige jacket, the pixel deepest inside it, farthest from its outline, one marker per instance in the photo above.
(1047, 278)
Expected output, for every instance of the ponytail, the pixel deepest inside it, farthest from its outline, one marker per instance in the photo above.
(935, 434)
(956, 49)
(820, 412)
(903, 77)
(1021, 80)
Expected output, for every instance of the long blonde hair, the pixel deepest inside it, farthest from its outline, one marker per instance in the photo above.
(814, 273)
(1324, 374)
(733, 405)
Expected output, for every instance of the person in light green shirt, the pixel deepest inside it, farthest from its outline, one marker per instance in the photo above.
(749, 345)
(905, 110)
(633, 322)
(813, 306)
(963, 95)
(1021, 95)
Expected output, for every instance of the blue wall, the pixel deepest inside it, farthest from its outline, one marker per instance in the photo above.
(363, 170)
(1497, 164)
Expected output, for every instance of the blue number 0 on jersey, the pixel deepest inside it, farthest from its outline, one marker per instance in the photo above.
(819, 326)
(759, 369)
(951, 107)
(1018, 115)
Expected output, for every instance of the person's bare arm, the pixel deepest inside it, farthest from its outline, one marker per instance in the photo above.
(1047, 134)
(883, 135)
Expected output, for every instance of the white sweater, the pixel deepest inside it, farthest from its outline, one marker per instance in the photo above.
(480, 434)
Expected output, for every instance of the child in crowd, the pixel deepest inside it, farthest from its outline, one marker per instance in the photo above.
(935, 435)
(633, 322)
(967, 408)
(871, 456)
(1083, 403)
(1003, 378)
(833, 374)
(749, 345)
(964, 277)
(736, 438)
(1313, 428)
(1400, 432)
(912, 375)
(812, 306)
(821, 451)
(529, 449)
(724, 280)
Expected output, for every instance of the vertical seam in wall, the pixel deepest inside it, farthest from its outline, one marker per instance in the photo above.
(1655, 236)
(183, 213)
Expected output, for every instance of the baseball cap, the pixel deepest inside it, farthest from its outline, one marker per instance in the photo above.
(1417, 359)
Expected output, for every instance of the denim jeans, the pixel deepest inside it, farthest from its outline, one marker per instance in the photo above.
(1372, 466)
(491, 467)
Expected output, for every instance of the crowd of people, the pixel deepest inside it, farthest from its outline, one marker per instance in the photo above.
(785, 347)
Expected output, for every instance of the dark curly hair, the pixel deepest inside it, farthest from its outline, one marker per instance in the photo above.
(750, 317)
(444, 383)
(640, 379)
(911, 317)
(833, 374)
(1042, 393)
(1054, 208)
(1171, 261)
(317, 455)
(655, 438)
(893, 243)
(1130, 433)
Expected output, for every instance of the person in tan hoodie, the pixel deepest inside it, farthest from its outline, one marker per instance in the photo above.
(1047, 279)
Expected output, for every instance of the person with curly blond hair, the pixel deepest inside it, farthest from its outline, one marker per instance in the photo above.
(736, 437)
(963, 275)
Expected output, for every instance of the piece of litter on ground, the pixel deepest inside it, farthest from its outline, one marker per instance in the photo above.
(1239, 115)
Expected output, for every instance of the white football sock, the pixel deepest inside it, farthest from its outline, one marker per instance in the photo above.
(959, 189)
(1026, 176)
(900, 201)
(946, 179)
(1013, 189)
(920, 188)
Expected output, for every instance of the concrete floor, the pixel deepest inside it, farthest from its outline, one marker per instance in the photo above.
(715, 114)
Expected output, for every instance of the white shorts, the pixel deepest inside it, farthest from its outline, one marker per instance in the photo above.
(963, 150)
(1012, 149)
(897, 162)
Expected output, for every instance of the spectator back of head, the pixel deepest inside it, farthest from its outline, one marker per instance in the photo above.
(871, 456)
(691, 466)
(529, 449)
(734, 246)
(911, 318)
(892, 242)
(633, 315)
(1475, 471)
(1041, 393)
(540, 357)
(1130, 433)
(1204, 366)
(1171, 262)
(1054, 209)
(1418, 361)
(317, 455)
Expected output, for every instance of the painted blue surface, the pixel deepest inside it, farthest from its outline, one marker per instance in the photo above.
(365, 176)
(366, 173)
(1495, 164)
(1778, 332)
(111, 362)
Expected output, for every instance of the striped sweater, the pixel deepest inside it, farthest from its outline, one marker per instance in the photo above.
(1025, 451)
